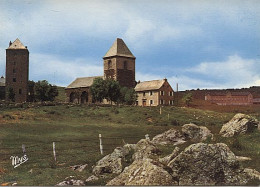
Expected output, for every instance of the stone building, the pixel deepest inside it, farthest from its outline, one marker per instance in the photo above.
(154, 93)
(230, 98)
(17, 71)
(2, 88)
(119, 64)
(78, 91)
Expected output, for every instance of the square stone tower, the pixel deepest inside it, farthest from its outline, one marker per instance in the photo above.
(119, 64)
(17, 72)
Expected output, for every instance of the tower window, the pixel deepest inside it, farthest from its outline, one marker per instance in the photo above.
(125, 64)
(109, 64)
(14, 79)
(20, 91)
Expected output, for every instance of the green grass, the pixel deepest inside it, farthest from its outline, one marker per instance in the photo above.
(75, 130)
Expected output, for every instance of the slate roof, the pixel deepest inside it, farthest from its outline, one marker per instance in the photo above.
(17, 44)
(119, 48)
(2, 81)
(149, 85)
(82, 82)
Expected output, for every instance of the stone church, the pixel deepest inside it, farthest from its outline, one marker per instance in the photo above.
(119, 64)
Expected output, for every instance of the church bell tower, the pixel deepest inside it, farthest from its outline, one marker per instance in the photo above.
(119, 64)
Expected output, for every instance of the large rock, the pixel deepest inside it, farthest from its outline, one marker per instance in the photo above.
(145, 149)
(239, 124)
(112, 163)
(208, 164)
(172, 136)
(167, 159)
(196, 133)
(144, 172)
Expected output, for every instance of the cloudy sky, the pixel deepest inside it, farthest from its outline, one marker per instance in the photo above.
(199, 44)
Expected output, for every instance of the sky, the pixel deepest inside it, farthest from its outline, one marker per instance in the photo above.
(197, 44)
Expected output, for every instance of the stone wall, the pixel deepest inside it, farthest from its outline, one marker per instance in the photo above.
(17, 73)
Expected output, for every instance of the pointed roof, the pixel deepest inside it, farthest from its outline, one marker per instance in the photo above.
(119, 48)
(17, 44)
(149, 85)
(83, 82)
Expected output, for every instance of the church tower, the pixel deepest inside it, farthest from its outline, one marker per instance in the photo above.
(119, 64)
(17, 72)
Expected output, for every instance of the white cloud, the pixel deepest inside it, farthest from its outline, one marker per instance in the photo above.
(61, 72)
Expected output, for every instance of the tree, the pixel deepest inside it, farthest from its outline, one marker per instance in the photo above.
(98, 90)
(31, 92)
(113, 90)
(11, 94)
(127, 96)
(45, 91)
(187, 98)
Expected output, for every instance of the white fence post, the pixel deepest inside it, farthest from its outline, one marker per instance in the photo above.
(100, 144)
(147, 137)
(23, 147)
(54, 152)
(160, 110)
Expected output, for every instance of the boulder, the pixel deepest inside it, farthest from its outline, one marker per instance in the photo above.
(196, 133)
(207, 164)
(172, 136)
(145, 149)
(239, 124)
(78, 168)
(144, 172)
(252, 173)
(71, 182)
(167, 159)
(92, 178)
(112, 163)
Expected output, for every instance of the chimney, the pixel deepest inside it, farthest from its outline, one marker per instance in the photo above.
(138, 82)
(10, 43)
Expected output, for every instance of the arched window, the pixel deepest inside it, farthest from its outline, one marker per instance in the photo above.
(109, 64)
(125, 64)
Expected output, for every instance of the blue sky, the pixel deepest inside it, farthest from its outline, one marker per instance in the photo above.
(199, 44)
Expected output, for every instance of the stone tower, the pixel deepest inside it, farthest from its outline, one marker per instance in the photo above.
(119, 64)
(17, 72)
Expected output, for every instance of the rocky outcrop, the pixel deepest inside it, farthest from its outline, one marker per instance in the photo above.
(196, 133)
(239, 124)
(189, 132)
(253, 174)
(145, 149)
(144, 172)
(171, 136)
(112, 163)
(208, 164)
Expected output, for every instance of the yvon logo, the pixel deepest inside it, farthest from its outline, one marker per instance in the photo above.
(16, 161)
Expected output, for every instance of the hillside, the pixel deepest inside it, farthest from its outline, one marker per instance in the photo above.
(75, 130)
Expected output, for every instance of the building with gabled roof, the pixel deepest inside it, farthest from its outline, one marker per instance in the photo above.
(17, 72)
(230, 98)
(154, 93)
(119, 64)
(79, 90)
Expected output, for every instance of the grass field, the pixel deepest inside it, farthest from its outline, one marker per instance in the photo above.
(75, 131)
